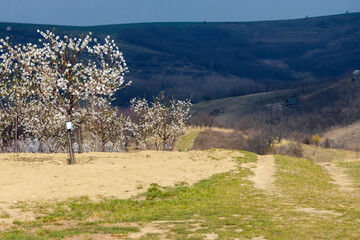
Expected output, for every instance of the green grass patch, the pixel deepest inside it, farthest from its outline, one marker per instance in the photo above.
(322, 209)
(4, 214)
(87, 230)
(352, 169)
(186, 141)
(18, 235)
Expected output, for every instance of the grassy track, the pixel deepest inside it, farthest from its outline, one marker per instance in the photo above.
(186, 141)
(304, 204)
(353, 170)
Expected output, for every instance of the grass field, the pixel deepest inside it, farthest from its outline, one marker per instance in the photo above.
(302, 202)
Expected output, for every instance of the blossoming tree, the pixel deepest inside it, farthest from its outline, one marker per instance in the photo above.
(16, 86)
(162, 122)
(68, 72)
(46, 125)
(110, 129)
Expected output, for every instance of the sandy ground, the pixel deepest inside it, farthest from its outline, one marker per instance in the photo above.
(121, 175)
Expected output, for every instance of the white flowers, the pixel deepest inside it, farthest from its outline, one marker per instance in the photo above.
(160, 123)
(42, 87)
(58, 73)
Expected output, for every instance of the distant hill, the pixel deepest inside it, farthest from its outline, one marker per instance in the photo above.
(215, 60)
(308, 110)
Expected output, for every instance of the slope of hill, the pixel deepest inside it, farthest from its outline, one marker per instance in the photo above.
(347, 137)
(215, 60)
(229, 110)
(307, 110)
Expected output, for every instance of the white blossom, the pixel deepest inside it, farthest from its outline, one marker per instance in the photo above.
(58, 74)
(160, 123)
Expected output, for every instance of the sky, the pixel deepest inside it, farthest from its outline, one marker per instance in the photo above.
(102, 12)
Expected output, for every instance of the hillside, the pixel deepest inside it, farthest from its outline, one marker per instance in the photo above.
(215, 60)
(230, 110)
(294, 113)
(347, 137)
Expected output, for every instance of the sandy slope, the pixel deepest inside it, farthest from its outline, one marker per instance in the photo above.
(122, 175)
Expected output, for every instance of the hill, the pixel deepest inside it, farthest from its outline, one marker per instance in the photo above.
(215, 60)
(228, 111)
(295, 113)
(347, 137)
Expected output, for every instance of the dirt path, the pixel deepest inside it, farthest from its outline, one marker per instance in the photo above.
(264, 172)
(339, 176)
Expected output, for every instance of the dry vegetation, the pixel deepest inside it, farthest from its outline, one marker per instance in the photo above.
(346, 137)
(219, 139)
(253, 141)
(315, 111)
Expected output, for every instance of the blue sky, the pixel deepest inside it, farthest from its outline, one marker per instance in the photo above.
(91, 12)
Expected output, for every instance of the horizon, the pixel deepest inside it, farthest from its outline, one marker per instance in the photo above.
(185, 22)
(83, 13)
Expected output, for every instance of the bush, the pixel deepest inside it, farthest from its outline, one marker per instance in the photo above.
(316, 139)
(293, 149)
(307, 140)
(328, 143)
(260, 143)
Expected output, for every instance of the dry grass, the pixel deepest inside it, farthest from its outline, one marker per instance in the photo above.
(346, 137)
(219, 139)
(186, 142)
(316, 153)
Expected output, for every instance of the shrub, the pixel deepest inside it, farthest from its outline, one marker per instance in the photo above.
(328, 143)
(260, 143)
(316, 139)
(307, 140)
(293, 149)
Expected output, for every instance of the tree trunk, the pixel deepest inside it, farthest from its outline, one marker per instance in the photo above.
(71, 159)
(79, 133)
(16, 150)
(40, 145)
(103, 143)
(164, 145)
